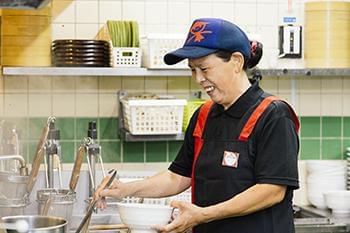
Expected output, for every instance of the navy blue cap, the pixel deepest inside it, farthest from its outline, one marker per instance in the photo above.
(208, 35)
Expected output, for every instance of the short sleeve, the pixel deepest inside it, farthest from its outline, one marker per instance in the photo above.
(277, 146)
(182, 165)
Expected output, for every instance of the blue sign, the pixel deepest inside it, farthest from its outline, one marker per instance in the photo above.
(289, 19)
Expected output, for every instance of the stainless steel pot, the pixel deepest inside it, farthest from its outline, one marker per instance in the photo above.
(34, 224)
(60, 204)
(13, 185)
(9, 207)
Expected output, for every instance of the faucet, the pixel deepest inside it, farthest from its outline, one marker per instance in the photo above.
(93, 156)
(23, 168)
(53, 155)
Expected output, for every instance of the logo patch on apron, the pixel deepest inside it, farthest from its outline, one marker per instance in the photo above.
(230, 159)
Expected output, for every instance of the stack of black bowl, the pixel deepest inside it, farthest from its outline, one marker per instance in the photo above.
(81, 53)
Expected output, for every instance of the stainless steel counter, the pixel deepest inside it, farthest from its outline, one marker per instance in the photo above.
(312, 220)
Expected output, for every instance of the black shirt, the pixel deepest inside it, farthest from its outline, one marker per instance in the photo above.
(273, 144)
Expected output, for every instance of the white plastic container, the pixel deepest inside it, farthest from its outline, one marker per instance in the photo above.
(153, 117)
(155, 46)
(127, 57)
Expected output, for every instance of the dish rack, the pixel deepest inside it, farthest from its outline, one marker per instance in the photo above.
(155, 46)
(152, 116)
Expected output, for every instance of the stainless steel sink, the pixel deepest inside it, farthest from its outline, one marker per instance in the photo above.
(312, 220)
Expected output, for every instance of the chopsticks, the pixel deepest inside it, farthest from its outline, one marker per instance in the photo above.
(93, 203)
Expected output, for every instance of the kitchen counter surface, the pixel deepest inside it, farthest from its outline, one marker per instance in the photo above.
(309, 219)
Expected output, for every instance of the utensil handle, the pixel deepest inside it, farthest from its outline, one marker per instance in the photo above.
(37, 160)
(46, 207)
(105, 184)
(76, 169)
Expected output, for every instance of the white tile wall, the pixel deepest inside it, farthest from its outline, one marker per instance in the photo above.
(1, 104)
(63, 30)
(224, 10)
(83, 18)
(87, 11)
(39, 105)
(63, 105)
(110, 10)
(87, 105)
(39, 84)
(15, 84)
(15, 105)
(108, 105)
(63, 11)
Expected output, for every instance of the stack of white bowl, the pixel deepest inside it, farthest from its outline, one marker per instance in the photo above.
(348, 168)
(324, 176)
(339, 202)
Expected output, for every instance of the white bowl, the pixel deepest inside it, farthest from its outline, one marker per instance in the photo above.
(322, 166)
(140, 217)
(317, 200)
(338, 201)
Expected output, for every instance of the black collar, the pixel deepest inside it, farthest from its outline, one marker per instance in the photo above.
(243, 103)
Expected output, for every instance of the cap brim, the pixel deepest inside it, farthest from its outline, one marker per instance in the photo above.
(187, 52)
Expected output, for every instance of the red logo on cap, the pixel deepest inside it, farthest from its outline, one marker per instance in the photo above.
(197, 30)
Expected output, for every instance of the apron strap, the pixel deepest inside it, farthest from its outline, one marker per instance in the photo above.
(253, 119)
(197, 134)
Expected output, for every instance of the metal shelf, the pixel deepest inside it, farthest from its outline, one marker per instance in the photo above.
(109, 71)
(93, 71)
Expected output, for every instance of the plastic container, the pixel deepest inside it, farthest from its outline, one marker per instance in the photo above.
(153, 116)
(155, 46)
(127, 57)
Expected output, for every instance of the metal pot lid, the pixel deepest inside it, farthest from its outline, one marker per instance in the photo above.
(13, 177)
(56, 195)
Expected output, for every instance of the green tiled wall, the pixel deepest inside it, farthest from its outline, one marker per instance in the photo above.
(324, 137)
(320, 137)
(73, 130)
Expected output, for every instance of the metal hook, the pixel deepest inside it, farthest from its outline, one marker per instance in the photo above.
(50, 119)
(87, 141)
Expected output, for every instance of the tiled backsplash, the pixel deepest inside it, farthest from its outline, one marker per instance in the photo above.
(324, 137)
(321, 138)
(73, 131)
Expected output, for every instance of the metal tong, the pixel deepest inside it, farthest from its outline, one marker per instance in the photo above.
(93, 203)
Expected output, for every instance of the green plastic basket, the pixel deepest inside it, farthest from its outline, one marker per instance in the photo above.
(189, 109)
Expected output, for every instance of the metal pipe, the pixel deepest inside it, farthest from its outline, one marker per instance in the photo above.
(15, 157)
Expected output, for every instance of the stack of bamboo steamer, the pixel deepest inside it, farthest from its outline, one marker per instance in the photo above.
(327, 34)
(26, 37)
